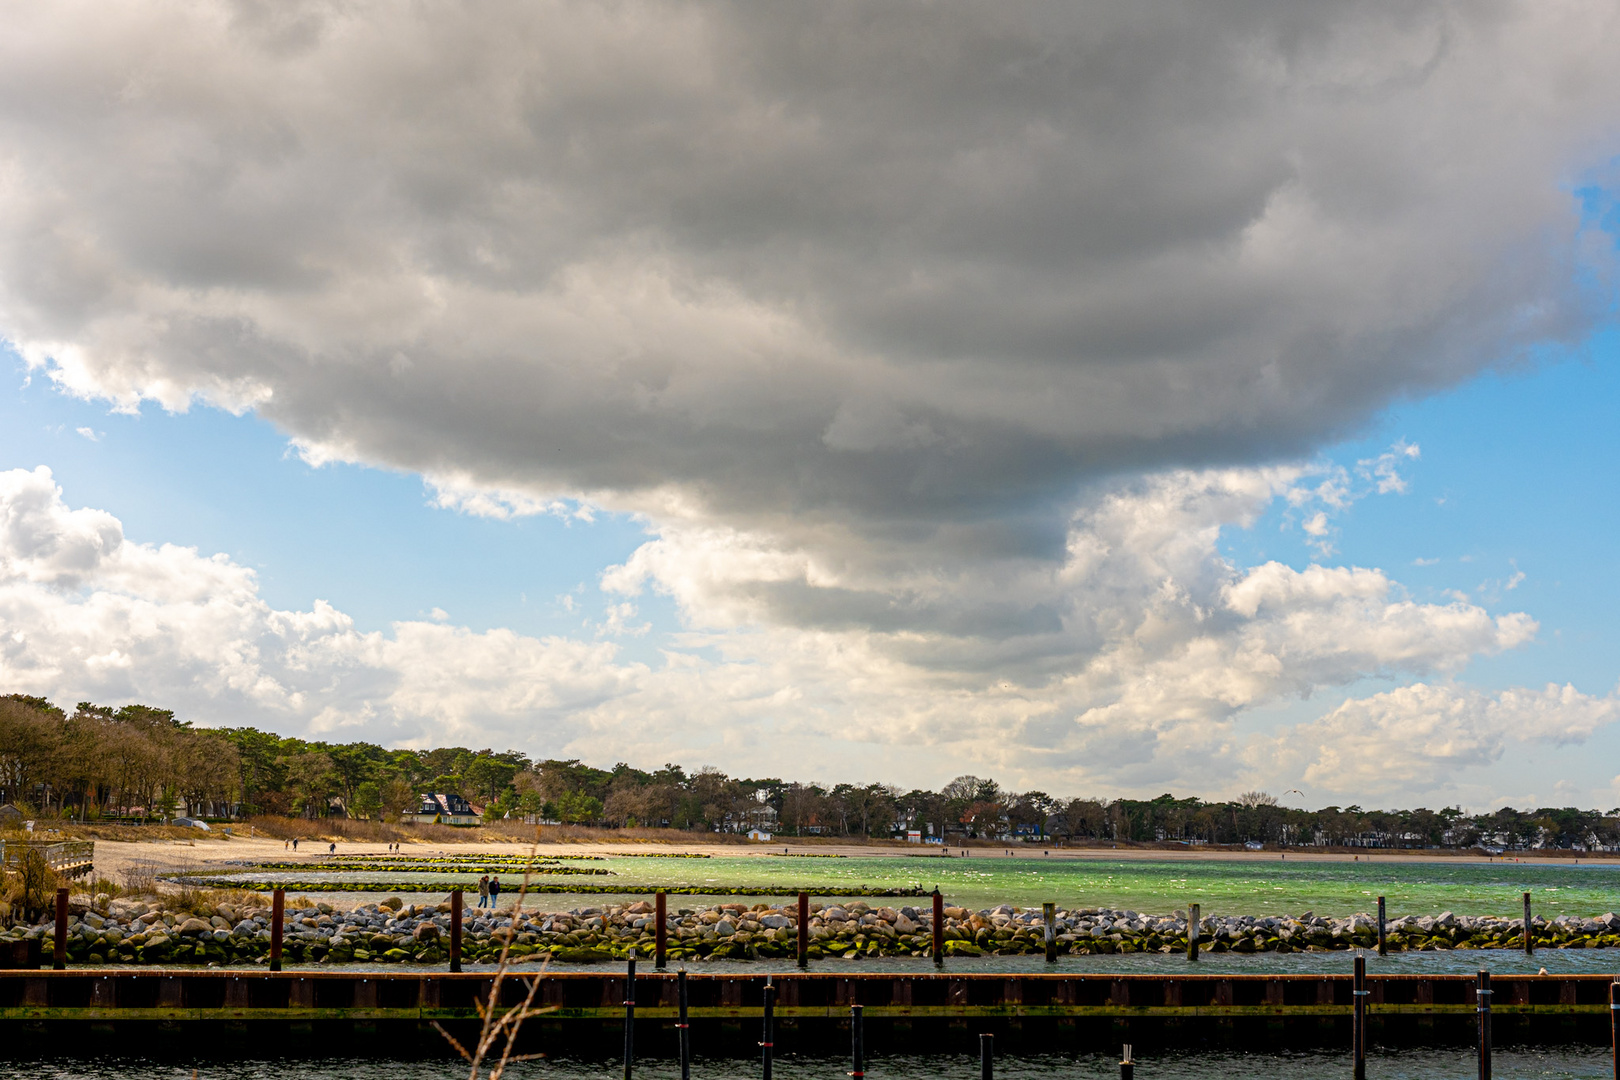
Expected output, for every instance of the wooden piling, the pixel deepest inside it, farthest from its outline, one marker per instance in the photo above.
(1614, 1028)
(857, 1044)
(455, 929)
(1127, 1067)
(278, 911)
(629, 1014)
(767, 1042)
(1483, 995)
(1358, 1020)
(1529, 934)
(987, 1057)
(660, 931)
(939, 928)
(682, 1026)
(59, 945)
(804, 929)
(1383, 945)
(1193, 919)
(1049, 912)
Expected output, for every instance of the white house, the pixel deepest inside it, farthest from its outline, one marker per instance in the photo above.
(446, 808)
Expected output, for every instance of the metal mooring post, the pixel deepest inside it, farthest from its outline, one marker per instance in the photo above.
(1529, 935)
(278, 908)
(1383, 945)
(1050, 913)
(661, 931)
(59, 945)
(857, 1044)
(939, 928)
(767, 1042)
(629, 1013)
(1192, 932)
(1483, 994)
(1358, 1021)
(1127, 1067)
(683, 1027)
(455, 930)
(804, 929)
(1614, 1026)
(987, 1057)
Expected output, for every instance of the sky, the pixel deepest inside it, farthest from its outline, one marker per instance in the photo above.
(1185, 397)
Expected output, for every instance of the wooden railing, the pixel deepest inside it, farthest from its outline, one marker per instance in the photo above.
(70, 858)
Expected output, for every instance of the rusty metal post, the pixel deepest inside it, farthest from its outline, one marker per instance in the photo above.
(1383, 945)
(455, 930)
(939, 928)
(804, 929)
(59, 948)
(1358, 1020)
(278, 911)
(1193, 919)
(1529, 934)
(661, 931)
(1049, 910)
(1483, 996)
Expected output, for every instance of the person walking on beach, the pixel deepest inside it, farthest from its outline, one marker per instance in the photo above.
(494, 892)
(295, 843)
(483, 891)
(333, 849)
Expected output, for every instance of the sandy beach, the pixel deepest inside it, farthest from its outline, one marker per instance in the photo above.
(116, 858)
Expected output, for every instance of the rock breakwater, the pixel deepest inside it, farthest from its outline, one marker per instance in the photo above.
(149, 932)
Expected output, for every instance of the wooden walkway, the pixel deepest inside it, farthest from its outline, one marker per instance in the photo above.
(902, 1012)
(69, 858)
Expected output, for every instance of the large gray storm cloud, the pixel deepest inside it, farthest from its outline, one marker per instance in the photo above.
(861, 304)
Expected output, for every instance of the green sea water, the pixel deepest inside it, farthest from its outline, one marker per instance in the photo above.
(1249, 887)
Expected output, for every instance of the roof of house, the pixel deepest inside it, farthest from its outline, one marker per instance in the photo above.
(448, 803)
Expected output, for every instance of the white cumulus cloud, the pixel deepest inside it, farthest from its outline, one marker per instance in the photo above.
(1149, 649)
(1424, 738)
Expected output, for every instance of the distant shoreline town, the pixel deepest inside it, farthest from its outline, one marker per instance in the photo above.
(98, 764)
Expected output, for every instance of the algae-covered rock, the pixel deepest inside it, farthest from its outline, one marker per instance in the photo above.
(580, 956)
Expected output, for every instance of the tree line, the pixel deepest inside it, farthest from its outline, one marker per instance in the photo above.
(136, 762)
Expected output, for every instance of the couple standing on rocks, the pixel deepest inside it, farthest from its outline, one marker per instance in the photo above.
(489, 891)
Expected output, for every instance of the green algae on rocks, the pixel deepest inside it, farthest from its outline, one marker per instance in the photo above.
(151, 931)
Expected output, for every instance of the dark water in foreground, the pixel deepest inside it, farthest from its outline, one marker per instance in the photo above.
(1561, 1063)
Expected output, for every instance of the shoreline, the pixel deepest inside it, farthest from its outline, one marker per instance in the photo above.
(118, 856)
